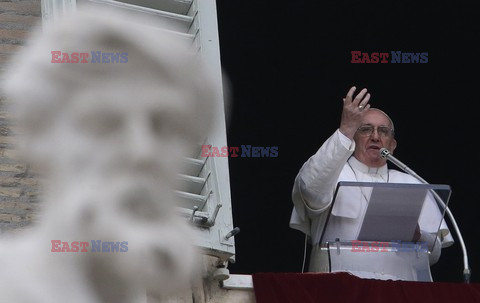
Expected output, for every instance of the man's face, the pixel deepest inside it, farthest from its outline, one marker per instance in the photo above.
(368, 145)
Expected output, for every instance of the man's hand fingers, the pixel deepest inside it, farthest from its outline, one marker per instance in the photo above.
(365, 100)
(359, 97)
(350, 93)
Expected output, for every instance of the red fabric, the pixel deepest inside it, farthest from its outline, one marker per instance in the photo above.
(347, 288)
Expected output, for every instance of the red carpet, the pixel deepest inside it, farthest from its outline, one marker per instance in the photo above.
(347, 288)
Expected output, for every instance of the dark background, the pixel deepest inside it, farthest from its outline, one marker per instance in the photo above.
(288, 63)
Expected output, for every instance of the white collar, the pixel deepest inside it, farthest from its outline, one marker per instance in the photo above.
(357, 165)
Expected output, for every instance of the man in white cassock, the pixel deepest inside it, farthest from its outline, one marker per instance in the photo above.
(352, 153)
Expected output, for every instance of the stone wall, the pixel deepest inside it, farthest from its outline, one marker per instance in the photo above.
(18, 185)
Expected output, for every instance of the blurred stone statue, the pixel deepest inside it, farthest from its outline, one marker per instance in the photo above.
(107, 106)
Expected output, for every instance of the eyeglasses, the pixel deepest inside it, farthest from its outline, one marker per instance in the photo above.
(367, 131)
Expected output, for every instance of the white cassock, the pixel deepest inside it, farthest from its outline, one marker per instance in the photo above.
(316, 183)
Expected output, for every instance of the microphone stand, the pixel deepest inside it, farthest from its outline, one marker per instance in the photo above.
(384, 153)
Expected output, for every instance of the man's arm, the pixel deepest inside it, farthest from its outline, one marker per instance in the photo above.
(318, 177)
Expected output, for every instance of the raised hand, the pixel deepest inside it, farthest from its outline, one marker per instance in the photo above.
(352, 112)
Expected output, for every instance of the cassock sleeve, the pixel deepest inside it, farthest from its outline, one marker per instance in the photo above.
(315, 183)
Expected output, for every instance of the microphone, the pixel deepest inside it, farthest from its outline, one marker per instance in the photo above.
(385, 154)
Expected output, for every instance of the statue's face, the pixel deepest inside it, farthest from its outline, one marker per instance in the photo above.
(116, 153)
(120, 130)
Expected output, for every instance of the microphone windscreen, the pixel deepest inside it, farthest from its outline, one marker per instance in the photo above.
(384, 152)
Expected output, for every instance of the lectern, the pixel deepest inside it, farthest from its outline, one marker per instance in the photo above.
(398, 230)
